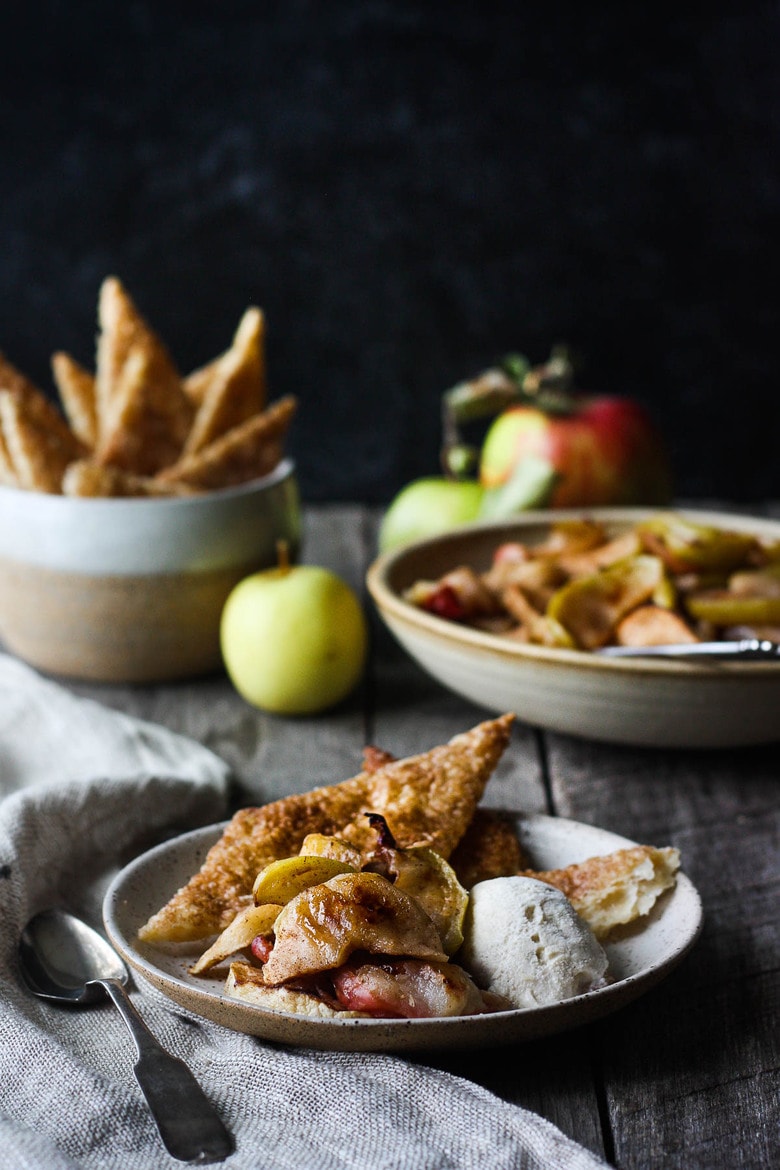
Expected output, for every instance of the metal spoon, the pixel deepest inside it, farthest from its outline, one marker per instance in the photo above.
(65, 960)
(742, 650)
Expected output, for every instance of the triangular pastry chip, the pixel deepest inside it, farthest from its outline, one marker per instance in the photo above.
(121, 399)
(76, 388)
(489, 848)
(120, 326)
(248, 451)
(616, 889)
(235, 389)
(38, 443)
(428, 798)
(33, 418)
(150, 414)
(196, 384)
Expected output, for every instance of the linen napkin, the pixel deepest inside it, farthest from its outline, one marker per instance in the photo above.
(85, 788)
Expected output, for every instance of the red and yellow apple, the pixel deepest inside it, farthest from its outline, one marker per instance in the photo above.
(547, 446)
(605, 449)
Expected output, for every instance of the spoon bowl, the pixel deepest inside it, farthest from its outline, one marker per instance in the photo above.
(65, 960)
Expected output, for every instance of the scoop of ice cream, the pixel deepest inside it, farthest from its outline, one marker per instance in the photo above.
(524, 940)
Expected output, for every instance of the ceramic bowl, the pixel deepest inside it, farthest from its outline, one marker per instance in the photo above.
(644, 702)
(132, 590)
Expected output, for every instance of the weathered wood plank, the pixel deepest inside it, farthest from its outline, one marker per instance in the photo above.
(551, 1077)
(686, 1065)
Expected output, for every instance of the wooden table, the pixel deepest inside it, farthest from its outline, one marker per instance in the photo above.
(686, 1076)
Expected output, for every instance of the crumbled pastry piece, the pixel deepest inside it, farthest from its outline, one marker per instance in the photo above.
(235, 389)
(375, 758)
(616, 889)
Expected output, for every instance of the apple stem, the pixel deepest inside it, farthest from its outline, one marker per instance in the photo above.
(283, 555)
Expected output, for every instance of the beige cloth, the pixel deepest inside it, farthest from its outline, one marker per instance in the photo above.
(85, 789)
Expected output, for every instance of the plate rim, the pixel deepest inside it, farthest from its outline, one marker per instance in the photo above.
(382, 1035)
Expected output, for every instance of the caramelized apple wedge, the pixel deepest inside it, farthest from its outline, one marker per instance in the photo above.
(591, 607)
(281, 881)
(247, 924)
(425, 876)
(320, 928)
(684, 544)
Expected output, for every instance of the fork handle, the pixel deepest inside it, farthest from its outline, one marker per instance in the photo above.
(190, 1128)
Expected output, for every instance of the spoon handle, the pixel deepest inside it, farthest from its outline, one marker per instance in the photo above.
(744, 650)
(189, 1126)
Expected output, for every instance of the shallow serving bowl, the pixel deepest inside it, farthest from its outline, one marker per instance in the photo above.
(132, 590)
(645, 702)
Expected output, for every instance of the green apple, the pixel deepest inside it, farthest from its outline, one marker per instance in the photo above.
(294, 639)
(427, 506)
(435, 504)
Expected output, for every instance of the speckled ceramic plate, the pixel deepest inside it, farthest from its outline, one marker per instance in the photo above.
(638, 961)
(640, 701)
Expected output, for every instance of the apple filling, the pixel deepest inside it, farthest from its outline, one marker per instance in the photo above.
(668, 580)
(370, 933)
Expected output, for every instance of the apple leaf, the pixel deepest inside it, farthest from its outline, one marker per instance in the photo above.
(530, 486)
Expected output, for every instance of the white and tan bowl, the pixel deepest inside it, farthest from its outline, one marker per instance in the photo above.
(132, 590)
(644, 702)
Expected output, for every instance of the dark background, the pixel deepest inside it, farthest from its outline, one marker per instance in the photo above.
(410, 190)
